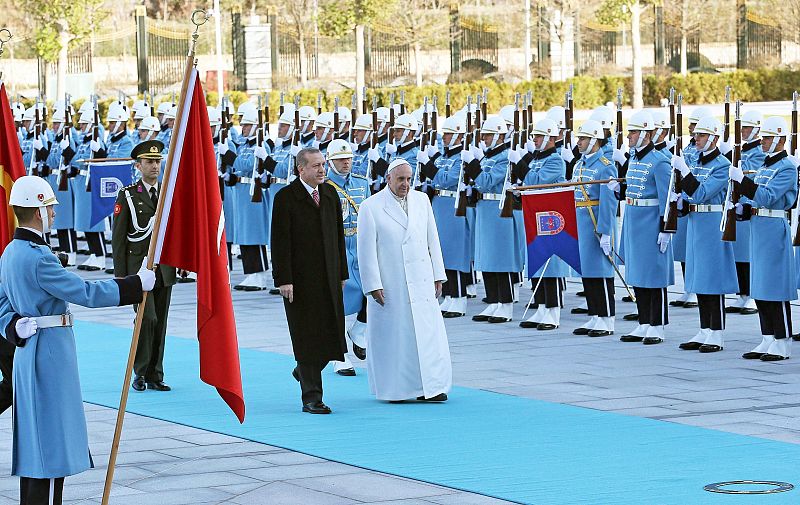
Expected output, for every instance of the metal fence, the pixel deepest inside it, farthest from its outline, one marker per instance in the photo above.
(385, 60)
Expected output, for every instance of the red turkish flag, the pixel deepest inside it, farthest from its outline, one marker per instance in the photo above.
(11, 167)
(192, 237)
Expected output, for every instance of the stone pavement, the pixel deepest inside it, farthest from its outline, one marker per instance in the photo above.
(165, 463)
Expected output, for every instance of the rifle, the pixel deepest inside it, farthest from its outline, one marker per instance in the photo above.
(266, 112)
(391, 114)
(335, 118)
(485, 103)
(281, 107)
(679, 127)
(507, 203)
(256, 195)
(476, 138)
(95, 137)
(461, 201)
(363, 102)
(402, 102)
(415, 182)
(728, 223)
(671, 134)
(353, 115)
(290, 174)
(224, 132)
(373, 143)
(66, 133)
(530, 115)
(618, 132)
(727, 131)
(568, 118)
(670, 218)
(319, 104)
(524, 114)
(793, 151)
(152, 106)
(434, 120)
(447, 104)
(33, 168)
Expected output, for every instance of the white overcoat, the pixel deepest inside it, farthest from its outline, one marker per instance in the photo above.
(400, 254)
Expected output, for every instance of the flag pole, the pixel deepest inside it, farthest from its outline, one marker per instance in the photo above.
(199, 17)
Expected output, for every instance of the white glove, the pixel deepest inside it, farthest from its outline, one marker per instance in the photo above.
(670, 143)
(422, 157)
(679, 164)
(223, 148)
(37, 143)
(566, 155)
(390, 148)
(26, 327)
(431, 150)
(467, 156)
(613, 186)
(265, 177)
(476, 152)
(260, 152)
(226, 176)
(294, 151)
(95, 145)
(725, 147)
(64, 143)
(514, 156)
(605, 244)
(530, 146)
(795, 159)
(373, 154)
(735, 172)
(315, 144)
(619, 156)
(147, 276)
(739, 209)
(663, 241)
(673, 196)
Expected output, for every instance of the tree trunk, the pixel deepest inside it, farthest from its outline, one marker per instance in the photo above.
(418, 61)
(684, 37)
(360, 62)
(61, 75)
(528, 54)
(636, 49)
(303, 69)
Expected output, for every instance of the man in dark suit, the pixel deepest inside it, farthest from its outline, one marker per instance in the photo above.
(134, 214)
(310, 267)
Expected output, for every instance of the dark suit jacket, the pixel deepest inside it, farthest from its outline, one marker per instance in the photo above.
(128, 254)
(308, 251)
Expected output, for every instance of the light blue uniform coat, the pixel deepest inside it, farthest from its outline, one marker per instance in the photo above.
(752, 159)
(454, 231)
(65, 212)
(251, 220)
(595, 166)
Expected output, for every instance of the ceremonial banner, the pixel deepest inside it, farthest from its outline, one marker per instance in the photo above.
(11, 167)
(551, 227)
(192, 237)
(106, 179)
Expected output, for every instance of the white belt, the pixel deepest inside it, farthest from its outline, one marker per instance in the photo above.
(278, 180)
(492, 196)
(84, 172)
(771, 213)
(53, 321)
(706, 208)
(446, 192)
(642, 202)
(245, 180)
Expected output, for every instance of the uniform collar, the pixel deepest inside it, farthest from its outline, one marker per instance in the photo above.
(660, 146)
(644, 152)
(29, 235)
(119, 136)
(406, 147)
(751, 145)
(709, 156)
(771, 160)
(338, 178)
(306, 138)
(496, 150)
(363, 147)
(540, 155)
(451, 151)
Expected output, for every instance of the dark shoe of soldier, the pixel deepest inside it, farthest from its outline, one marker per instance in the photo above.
(652, 340)
(796, 337)
(732, 310)
(441, 397)
(747, 311)
(690, 346)
(630, 338)
(138, 383)
(546, 326)
(579, 310)
(677, 303)
(360, 352)
(347, 372)
(752, 355)
(158, 386)
(707, 348)
(316, 408)
(773, 357)
(627, 299)
(580, 331)
(631, 317)
(581, 294)
(450, 315)
(600, 333)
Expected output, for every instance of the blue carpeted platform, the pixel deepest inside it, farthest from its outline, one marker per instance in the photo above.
(503, 446)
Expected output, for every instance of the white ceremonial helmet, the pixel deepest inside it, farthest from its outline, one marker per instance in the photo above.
(245, 107)
(752, 118)
(307, 113)
(142, 110)
(364, 122)
(710, 125)
(59, 116)
(546, 127)
(32, 191)
(19, 110)
(324, 120)
(592, 130)
(30, 114)
(603, 115)
(406, 122)
(383, 114)
(507, 113)
(139, 104)
(558, 115)
(288, 107)
(86, 117)
(775, 127)
(339, 149)
(228, 105)
(494, 124)
(250, 116)
(117, 115)
(214, 116)
(641, 121)
(164, 107)
(86, 106)
(699, 113)
(344, 114)
(455, 124)
(150, 123)
(660, 122)
(171, 113)
(287, 117)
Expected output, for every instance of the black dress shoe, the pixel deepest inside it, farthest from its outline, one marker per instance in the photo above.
(296, 374)
(796, 337)
(533, 306)
(579, 310)
(251, 288)
(581, 294)
(360, 352)
(600, 333)
(732, 310)
(546, 326)
(238, 288)
(690, 305)
(109, 271)
(450, 315)
(316, 408)
(707, 348)
(630, 338)
(652, 340)
(138, 383)
(498, 319)
(347, 372)
(185, 280)
(481, 318)
(676, 303)
(631, 317)
(773, 357)
(274, 291)
(748, 311)
(441, 397)
(580, 331)
(485, 300)
(690, 346)
(752, 355)
(158, 386)
(528, 324)
(627, 299)
(470, 297)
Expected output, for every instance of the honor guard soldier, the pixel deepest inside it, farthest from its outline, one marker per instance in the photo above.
(148, 129)
(597, 226)
(771, 193)
(307, 133)
(403, 144)
(18, 109)
(378, 153)
(251, 219)
(547, 167)
(444, 169)
(139, 111)
(50, 441)
(34, 148)
(165, 125)
(752, 160)
(345, 120)
(710, 265)
(119, 144)
(226, 192)
(362, 137)
(497, 253)
(352, 190)
(323, 131)
(62, 151)
(88, 148)
(646, 248)
(134, 214)
(662, 142)
(605, 116)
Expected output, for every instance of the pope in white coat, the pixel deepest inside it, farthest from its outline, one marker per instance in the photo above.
(402, 274)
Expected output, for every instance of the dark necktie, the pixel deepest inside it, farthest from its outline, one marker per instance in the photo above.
(315, 196)
(154, 195)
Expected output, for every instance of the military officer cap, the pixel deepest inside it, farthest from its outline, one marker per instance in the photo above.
(148, 150)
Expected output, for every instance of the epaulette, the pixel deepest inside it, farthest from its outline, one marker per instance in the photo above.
(605, 161)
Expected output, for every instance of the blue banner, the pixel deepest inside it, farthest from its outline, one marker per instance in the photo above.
(106, 180)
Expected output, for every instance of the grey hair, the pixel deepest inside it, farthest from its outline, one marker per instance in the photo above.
(302, 156)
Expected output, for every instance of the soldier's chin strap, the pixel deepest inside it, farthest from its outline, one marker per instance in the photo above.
(640, 141)
(773, 145)
(707, 146)
(753, 134)
(589, 147)
(45, 220)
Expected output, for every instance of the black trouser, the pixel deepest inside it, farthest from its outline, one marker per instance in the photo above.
(230, 257)
(96, 242)
(743, 274)
(310, 374)
(67, 240)
(548, 293)
(457, 282)
(6, 368)
(599, 296)
(499, 287)
(361, 317)
(651, 303)
(149, 361)
(39, 491)
(712, 311)
(254, 259)
(776, 318)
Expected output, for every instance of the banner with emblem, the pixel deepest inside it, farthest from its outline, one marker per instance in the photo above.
(106, 179)
(551, 227)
